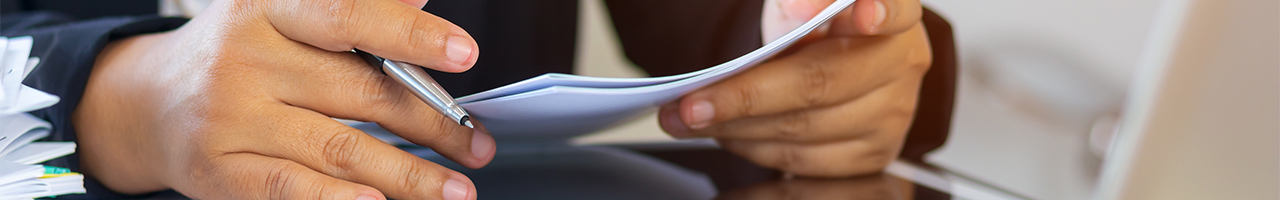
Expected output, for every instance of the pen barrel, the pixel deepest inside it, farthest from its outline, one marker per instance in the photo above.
(426, 88)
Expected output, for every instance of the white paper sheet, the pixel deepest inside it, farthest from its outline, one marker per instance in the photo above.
(20, 129)
(21, 181)
(29, 99)
(38, 152)
(4, 46)
(31, 65)
(14, 172)
(72, 184)
(561, 105)
(14, 64)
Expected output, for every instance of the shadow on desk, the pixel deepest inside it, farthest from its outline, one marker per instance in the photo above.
(654, 171)
(661, 171)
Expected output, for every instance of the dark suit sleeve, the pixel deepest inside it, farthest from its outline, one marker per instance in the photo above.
(668, 37)
(67, 51)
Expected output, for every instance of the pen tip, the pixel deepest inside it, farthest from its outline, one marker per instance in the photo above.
(466, 121)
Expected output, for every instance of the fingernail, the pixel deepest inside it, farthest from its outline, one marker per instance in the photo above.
(670, 121)
(880, 15)
(700, 114)
(799, 10)
(366, 197)
(459, 50)
(420, 5)
(455, 190)
(482, 145)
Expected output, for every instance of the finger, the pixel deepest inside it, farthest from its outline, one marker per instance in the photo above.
(781, 16)
(336, 85)
(391, 29)
(821, 74)
(669, 120)
(320, 143)
(254, 176)
(834, 159)
(415, 3)
(878, 17)
(891, 106)
(864, 17)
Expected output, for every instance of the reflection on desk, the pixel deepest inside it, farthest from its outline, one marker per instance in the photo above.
(876, 186)
(686, 170)
(679, 170)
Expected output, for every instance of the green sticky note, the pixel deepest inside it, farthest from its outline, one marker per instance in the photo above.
(55, 170)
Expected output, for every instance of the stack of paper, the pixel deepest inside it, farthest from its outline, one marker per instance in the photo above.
(20, 177)
(557, 106)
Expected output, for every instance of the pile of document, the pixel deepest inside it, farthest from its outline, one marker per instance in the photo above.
(559, 106)
(20, 175)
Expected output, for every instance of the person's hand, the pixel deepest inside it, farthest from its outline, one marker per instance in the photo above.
(863, 18)
(838, 103)
(237, 104)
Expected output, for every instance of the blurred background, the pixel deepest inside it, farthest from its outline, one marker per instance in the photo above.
(1041, 85)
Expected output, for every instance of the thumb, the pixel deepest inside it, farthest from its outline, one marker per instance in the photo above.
(878, 17)
(781, 16)
(865, 17)
(415, 3)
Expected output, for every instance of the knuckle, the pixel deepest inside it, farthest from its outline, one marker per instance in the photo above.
(323, 191)
(918, 63)
(414, 33)
(817, 81)
(278, 181)
(439, 131)
(341, 15)
(379, 97)
(747, 97)
(900, 108)
(414, 176)
(794, 126)
(920, 56)
(791, 159)
(865, 161)
(340, 149)
(876, 161)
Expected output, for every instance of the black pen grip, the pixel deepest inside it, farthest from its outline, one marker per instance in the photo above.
(373, 60)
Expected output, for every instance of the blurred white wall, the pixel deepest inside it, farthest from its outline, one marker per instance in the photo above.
(1036, 77)
(1201, 118)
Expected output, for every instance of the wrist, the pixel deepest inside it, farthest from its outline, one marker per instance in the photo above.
(113, 147)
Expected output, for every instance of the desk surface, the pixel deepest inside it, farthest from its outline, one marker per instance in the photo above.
(682, 170)
(690, 170)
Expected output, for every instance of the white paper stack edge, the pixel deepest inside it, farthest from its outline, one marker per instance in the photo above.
(20, 175)
(559, 106)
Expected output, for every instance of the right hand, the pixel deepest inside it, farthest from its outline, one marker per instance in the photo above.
(238, 104)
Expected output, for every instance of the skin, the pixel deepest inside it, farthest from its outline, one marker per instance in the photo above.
(237, 104)
(837, 104)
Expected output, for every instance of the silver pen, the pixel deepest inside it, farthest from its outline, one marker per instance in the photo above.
(416, 80)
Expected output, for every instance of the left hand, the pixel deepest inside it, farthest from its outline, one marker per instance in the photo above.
(838, 103)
